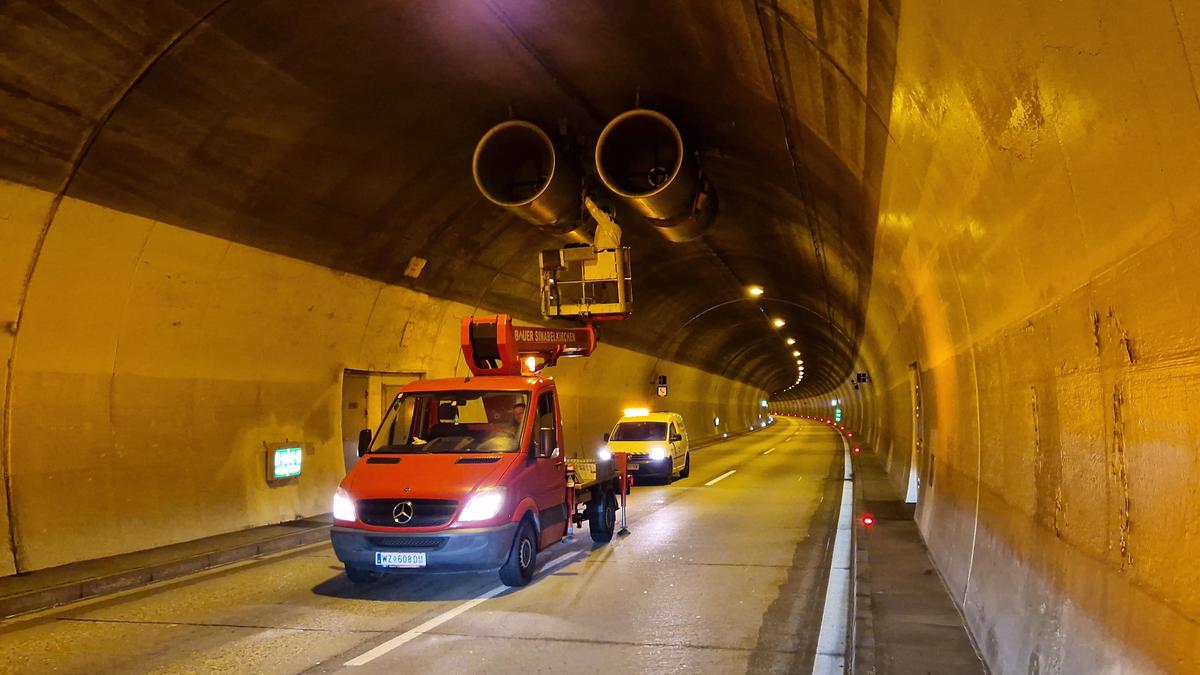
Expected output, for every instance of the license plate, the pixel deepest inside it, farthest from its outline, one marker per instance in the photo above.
(634, 467)
(397, 559)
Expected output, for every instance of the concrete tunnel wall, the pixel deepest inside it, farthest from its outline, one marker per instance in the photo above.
(152, 364)
(1036, 259)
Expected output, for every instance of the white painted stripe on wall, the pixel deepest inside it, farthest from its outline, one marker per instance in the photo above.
(831, 642)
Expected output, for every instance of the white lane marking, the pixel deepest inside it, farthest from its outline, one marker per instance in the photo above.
(831, 642)
(414, 633)
(720, 478)
(769, 451)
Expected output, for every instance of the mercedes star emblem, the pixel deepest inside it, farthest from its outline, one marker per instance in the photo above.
(402, 512)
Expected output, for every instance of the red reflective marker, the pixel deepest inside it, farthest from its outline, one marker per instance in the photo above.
(868, 520)
(856, 449)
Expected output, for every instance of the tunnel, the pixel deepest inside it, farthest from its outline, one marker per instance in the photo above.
(956, 237)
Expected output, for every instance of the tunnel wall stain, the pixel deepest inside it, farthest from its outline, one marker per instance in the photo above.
(1035, 257)
(153, 362)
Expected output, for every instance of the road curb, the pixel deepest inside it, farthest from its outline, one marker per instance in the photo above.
(64, 593)
(862, 621)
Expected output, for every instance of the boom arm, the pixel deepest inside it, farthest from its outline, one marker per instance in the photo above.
(492, 345)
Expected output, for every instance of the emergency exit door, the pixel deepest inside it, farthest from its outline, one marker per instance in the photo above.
(366, 396)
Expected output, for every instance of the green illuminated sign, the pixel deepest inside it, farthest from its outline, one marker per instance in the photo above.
(837, 414)
(286, 463)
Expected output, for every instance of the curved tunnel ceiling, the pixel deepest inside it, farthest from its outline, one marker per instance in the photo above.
(341, 133)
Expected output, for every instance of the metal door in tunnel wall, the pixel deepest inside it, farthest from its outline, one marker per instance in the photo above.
(918, 441)
(365, 395)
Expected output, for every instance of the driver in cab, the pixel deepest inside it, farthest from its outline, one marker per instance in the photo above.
(518, 416)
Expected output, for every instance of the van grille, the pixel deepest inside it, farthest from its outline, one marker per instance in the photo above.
(408, 543)
(426, 512)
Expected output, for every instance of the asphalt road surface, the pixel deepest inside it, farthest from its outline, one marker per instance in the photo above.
(723, 572)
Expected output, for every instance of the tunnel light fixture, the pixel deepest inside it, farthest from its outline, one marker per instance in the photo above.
(716, 421)
(791, 341)
(755, 291)
(795, 352)
(778, 323)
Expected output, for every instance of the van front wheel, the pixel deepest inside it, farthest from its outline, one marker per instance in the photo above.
(522, 558)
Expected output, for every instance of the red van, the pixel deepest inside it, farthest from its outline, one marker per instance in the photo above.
(467, 475)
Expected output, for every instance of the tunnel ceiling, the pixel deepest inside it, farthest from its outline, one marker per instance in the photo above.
(341, 133)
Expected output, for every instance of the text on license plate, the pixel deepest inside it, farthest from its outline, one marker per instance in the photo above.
(399, 559)
(634, 467)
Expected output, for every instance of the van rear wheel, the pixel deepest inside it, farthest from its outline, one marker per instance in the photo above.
(602, 518)
(522, 558)
(687, 466)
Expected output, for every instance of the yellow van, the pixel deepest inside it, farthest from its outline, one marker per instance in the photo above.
(656, 442)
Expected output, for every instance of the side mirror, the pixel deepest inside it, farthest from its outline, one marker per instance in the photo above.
(606, 437)
(364, 442)
(675, 438)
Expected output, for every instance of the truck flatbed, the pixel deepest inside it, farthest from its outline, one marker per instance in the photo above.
(584, 473)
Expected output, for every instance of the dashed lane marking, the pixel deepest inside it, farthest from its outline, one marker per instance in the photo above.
(414, 633)
(769, 451)
(720, 478)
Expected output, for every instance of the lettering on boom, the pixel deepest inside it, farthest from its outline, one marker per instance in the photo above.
(545, 335)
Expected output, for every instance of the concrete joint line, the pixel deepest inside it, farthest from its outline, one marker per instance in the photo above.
(615, 643)
(247, 626)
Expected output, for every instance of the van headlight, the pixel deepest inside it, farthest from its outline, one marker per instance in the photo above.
(483, 505)
(658, 452)
(343, 506)
(604, 454)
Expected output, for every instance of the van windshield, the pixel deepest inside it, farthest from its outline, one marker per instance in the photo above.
(640, 431)
(453, 422)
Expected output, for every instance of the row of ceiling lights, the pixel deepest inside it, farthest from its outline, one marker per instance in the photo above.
(777, 322)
